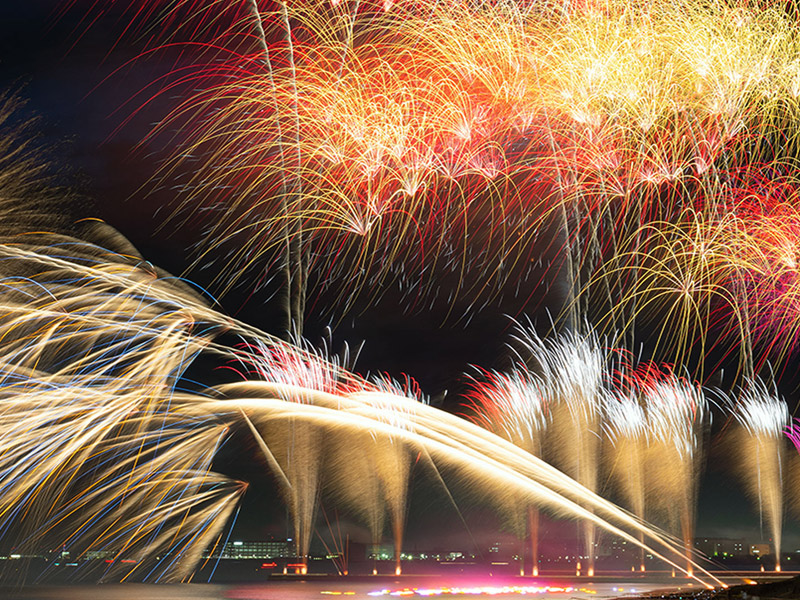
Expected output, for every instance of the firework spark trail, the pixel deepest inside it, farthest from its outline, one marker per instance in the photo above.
(571, 372)
(119, 281)
(412, 422)
(793, 433)
(732, 273)
(698, 276)
(297, 449)
(627, 429)
(392, 461)
(93, 454)
(354, 481)
(764, 418)
(768, 224)
(677, 412)
(383, 471)
(511, 405)
(642, 409)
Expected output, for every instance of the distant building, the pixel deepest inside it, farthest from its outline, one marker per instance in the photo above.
(380, 552)
(721, 547)
(503, 551)
(760, 549)
(261, 549)
(613, 547)
(99, 554)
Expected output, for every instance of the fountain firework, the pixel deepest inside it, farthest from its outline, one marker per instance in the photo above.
(511, 405)
(296, 452)
(677, 414)
(295, 449)
(570, 372)
(652, 418)
(764, 418)
(626, 423)
(393, 457)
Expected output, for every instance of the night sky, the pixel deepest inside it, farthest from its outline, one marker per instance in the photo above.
(85, 85)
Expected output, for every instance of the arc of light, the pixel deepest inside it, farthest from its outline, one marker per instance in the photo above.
(455, 451)
(273, 463)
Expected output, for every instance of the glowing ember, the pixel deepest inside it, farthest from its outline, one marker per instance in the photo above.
(488, 590)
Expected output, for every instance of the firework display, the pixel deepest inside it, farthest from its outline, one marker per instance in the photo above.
(764, 418)
(639, 158)
(165, 495)
(106, 447)
(369, 144)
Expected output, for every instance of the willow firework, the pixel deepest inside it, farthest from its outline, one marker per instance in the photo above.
(369, 144)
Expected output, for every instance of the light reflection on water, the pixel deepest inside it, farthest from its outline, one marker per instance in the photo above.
(328, 590)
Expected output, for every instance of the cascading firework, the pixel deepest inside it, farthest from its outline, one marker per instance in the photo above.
(369, 143)
(512, 406)
(764, 419)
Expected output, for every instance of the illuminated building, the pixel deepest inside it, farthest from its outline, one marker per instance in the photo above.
(259, 549)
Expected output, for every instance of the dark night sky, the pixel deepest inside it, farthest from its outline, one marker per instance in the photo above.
(69, 75)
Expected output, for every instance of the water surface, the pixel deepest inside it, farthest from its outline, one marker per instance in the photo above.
(466, 589)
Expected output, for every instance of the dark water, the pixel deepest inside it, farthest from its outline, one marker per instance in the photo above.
(327, 590)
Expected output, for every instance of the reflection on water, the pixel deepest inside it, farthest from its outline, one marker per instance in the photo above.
(325, 590)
